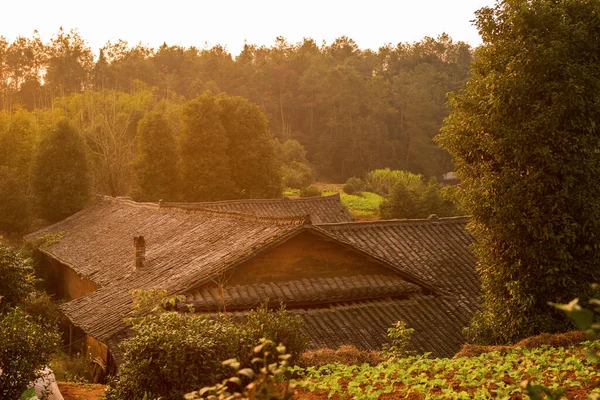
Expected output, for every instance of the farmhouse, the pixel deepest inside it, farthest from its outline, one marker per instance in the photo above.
(349, 281)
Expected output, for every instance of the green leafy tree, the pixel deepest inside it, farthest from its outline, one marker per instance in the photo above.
(411, 197)
(524, 135)
(14, 203)
(25, 349)
(251, 149)
(156, 162)
(296, 170)
(17, 277)
(205, 162)
(18, 143)
(60, 177)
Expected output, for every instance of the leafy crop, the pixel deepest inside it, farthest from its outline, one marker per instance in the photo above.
(495, 374)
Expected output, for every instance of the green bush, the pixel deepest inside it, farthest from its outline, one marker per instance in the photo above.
(310, 191)
(278, 326)
(25, 348)
(295, 169)
(297, 175)
(172, 353)
(17, 276)
(354, 185)
(412, 198)
(43, 309)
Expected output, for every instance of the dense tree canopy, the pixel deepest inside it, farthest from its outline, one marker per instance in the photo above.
(524, 135)
(353, 110)
(156, 162)
(60, 178)
(204, 152)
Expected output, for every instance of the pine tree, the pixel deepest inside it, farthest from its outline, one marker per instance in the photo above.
(524, 133)
(205, 166)
(60, 176)
(156, 162)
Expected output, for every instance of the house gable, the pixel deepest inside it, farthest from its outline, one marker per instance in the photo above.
(305, 256)
(307, 270)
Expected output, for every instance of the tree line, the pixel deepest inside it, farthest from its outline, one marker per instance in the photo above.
(352, 110)
(108, 142)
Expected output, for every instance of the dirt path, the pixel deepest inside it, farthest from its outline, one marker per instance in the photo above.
(81, 391)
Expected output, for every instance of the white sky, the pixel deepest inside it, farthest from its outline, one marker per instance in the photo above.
(371, 23)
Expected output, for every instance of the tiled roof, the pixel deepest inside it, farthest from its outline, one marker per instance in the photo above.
(97, 242)
(435, 290)
(437, 320)
(184, 248)
(437, 251)
(300, 292)
(322, 209)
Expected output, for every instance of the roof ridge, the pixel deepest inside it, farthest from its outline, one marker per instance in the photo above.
(407, 221)
(253, 201)
(292, 219)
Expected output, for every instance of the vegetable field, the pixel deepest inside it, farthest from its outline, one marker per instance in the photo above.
(489, 375)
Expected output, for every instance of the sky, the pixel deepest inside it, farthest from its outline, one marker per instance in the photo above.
(200, 23)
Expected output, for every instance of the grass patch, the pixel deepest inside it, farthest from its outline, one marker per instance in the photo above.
(363, 206)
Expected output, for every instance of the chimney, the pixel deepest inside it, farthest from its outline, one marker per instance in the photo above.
(139, 251)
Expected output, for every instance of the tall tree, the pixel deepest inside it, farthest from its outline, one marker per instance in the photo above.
(524, 133)
(14, 204)
(156, 162)
(60, 177)
(205, 163)
(255, 168)
(108, 122)
(69, 64)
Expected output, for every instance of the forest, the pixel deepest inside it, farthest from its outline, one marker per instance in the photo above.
(353, 110)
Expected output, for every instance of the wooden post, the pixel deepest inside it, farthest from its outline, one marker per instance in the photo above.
(70, 340)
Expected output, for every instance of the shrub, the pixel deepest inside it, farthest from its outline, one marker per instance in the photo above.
(278, 326)
(295, 170)
(399, 336)
(17, 277)
(43, 309)
(172, 353)
(297, 175)
(412, 198)
(25, 348)
(354, 185)
(310, 191)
